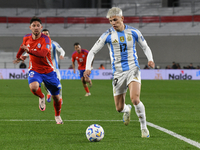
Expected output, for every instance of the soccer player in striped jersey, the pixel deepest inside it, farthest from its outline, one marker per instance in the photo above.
(54, 56)
(121, 39)
(80, 55)
(41, 69)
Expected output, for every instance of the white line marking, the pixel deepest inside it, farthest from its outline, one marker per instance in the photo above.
(189, 141)
(194, 143)
(37, 120)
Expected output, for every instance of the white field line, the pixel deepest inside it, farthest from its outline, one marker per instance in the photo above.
(189, 141)
(38, 120)
(178, 136)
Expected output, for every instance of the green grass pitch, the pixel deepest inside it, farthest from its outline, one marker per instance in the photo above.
(173, 105)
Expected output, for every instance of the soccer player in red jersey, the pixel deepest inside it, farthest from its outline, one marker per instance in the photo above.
(41, 69)
(80, 55)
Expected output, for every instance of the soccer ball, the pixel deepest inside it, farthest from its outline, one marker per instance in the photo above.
(94, 133)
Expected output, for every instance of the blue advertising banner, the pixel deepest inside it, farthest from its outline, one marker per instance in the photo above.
(146, 74)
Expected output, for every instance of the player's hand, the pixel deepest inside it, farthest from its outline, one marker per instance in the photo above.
(23, 57)
(16, 61)
(87, 74)
(151, 64)
(61, 57)
(25, 48)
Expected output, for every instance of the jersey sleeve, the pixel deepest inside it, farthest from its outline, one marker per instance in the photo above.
(73, 57)
(95, 49)
(41, 53)
(59, 49)
(143, 44)
(21, 51)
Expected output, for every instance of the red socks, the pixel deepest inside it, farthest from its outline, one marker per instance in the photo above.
(38, 93)
(86, 89)
(57, 107)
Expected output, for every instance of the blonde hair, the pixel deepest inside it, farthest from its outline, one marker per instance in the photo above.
(114, 11)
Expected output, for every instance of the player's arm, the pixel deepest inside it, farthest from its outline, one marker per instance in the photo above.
(41, 53)
(60, 50)
(45, 49)
(147, 51)
(90, 57)
(73, 66)
(24, 56)
(19, 54)
(92, 60)
(73, 63)
(21, 50)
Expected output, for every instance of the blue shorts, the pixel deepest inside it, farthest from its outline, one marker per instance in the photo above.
(50, 80)
(81, 73)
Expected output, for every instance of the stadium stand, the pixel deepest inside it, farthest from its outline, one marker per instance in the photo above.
(149, 16)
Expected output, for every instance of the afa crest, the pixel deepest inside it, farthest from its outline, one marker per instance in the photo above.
(121, 39)
(129, 38)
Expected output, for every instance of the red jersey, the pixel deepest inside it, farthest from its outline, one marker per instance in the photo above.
(81, 58)
(40, 53)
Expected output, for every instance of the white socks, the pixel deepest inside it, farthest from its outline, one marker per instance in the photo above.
(126, 109)
(61, 92)
(140, 111)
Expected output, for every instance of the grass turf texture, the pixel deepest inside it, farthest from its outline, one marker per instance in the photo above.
(173, 105)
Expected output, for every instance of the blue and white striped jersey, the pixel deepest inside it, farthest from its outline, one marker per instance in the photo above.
(122, 48)
(54, 56)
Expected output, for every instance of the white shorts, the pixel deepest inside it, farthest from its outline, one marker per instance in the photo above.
(58, 73)
(121, 81)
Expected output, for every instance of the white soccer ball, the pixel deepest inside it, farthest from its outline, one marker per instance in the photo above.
(94, 133)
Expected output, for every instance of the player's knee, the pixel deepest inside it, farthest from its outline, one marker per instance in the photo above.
(34, 88)
(56, 97)
(135, 99)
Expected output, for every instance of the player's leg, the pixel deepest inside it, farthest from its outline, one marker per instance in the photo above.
(34, 80)
(57, 103)
(134, 88)
(84, 83)
(119, 92)
(85, 86)
(122, 107)
(88, 81)
(59, 77)
(61, 92)
(48, 93)
(53, 84)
